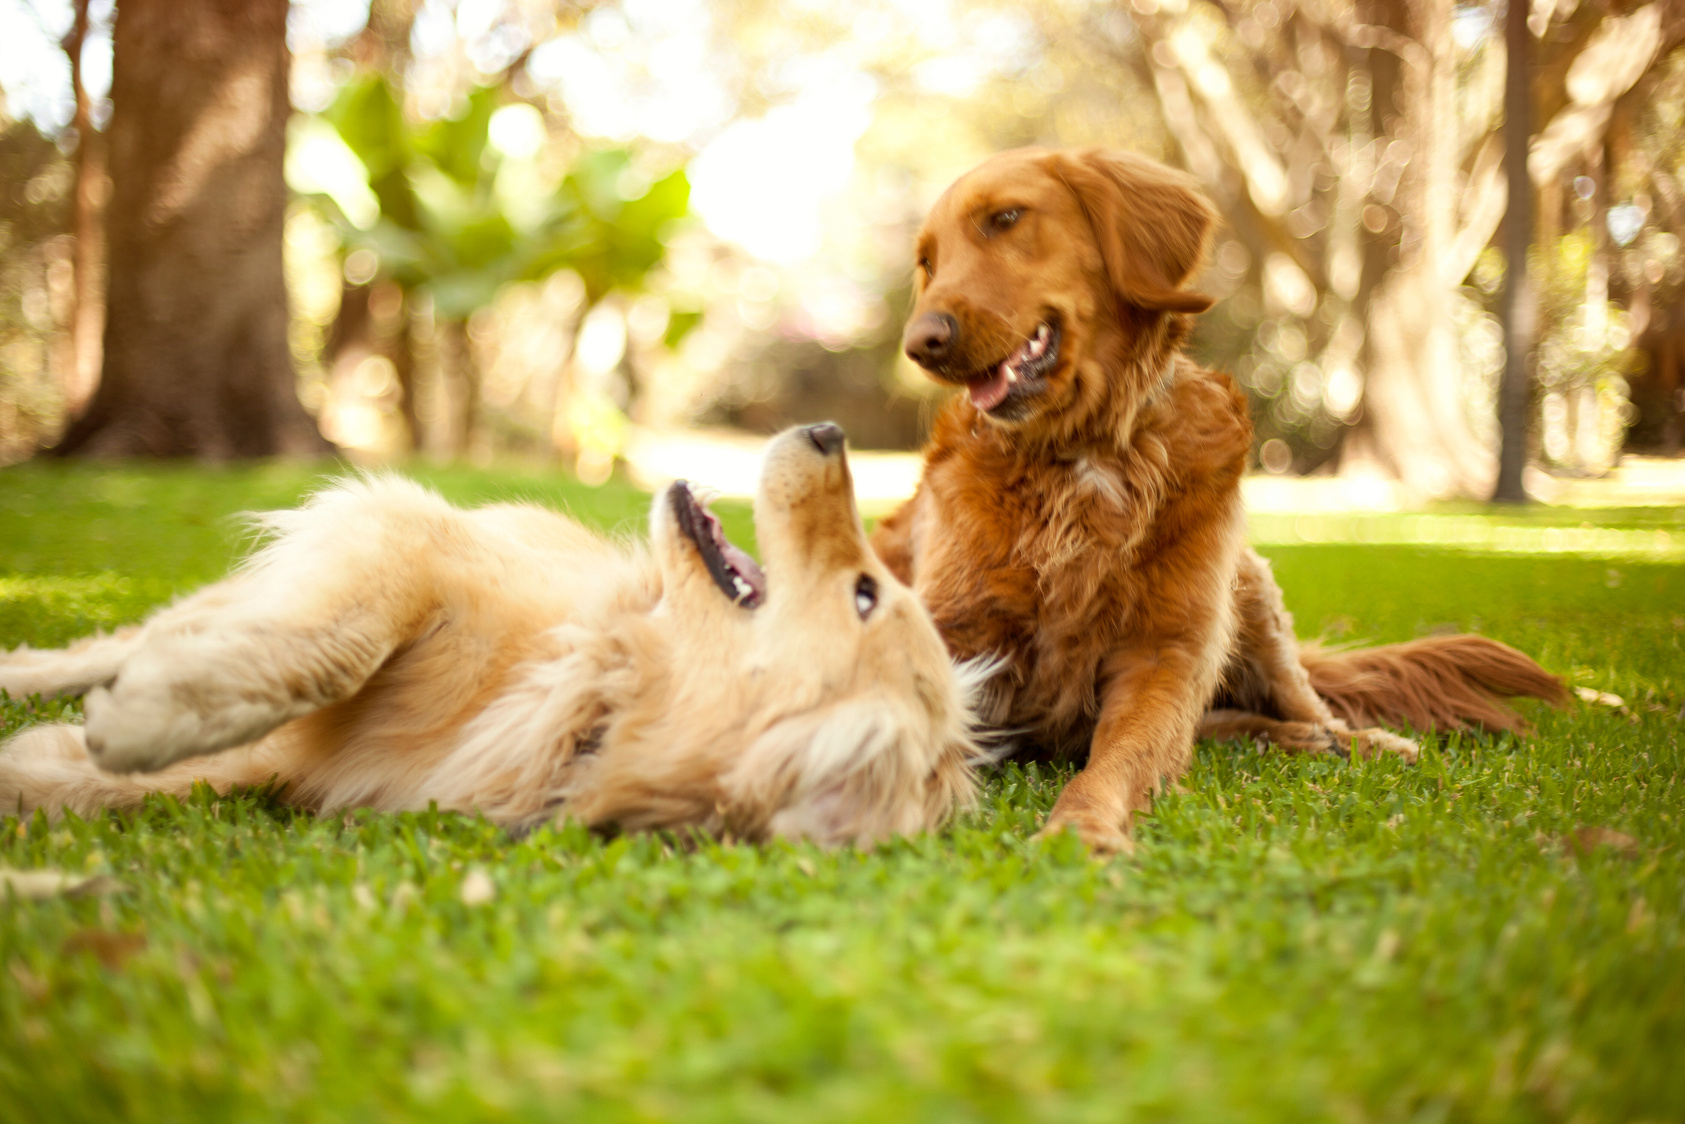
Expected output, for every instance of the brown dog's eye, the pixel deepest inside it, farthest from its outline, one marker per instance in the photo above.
(1005, 220)
(865, 595)
(924, 265)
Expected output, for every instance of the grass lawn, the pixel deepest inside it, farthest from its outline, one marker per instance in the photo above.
(1293, 940)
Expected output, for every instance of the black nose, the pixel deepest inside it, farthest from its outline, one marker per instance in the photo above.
(827, 437)
(931, 339)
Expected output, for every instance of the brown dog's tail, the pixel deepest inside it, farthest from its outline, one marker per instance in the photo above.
(1441, 682)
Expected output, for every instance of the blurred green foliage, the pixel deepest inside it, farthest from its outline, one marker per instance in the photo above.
(446, 229)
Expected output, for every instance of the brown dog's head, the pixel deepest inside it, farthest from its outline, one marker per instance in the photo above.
(1035, 267)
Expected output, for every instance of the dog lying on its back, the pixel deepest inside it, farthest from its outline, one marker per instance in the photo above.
(387, 650)
(1079, 517)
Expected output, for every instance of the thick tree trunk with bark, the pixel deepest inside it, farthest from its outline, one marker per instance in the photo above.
(196, 361)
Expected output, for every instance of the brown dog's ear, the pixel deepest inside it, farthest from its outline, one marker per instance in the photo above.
(1153, 225)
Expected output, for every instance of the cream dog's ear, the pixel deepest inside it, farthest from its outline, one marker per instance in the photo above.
(1153, 225)
(855, 772)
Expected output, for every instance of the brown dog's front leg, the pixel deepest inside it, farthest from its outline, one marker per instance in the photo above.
(1151, 701)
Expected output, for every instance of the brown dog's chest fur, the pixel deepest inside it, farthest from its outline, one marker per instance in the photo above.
(1051, 563)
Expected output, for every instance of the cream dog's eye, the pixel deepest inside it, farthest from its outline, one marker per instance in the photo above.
(865, 595)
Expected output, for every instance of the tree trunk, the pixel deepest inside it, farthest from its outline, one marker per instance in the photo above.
(458, 389)
(1515, 393)
(87, 313)
(1415, 427)
(403, 361)
(1669, 375)
(1590, 455)
(196, 361)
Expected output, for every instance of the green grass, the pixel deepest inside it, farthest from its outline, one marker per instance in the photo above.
(1293, 940)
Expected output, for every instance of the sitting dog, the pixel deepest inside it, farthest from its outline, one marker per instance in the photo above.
(1079, 517)
(388, 651)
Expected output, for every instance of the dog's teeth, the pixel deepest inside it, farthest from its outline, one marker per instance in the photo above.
(744, 589)
(1011, 375)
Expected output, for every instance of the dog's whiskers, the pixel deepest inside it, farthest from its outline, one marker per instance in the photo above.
(1010, 330)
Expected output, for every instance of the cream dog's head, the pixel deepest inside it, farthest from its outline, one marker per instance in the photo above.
(813, 698)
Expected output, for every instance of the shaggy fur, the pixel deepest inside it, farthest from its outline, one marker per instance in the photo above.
(1079, 517)
(387, 650)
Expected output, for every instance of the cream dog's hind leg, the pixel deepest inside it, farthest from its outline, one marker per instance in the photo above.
(51, 672)
(48, 768)
(304, 625)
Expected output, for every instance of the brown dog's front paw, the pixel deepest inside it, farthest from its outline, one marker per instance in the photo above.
(1103, 842)
(1102, 831)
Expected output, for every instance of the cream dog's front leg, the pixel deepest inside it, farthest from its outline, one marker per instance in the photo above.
(226, 684)
(263, 648)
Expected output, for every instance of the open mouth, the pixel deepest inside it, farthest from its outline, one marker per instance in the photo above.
(1033, 361)
(737, 575)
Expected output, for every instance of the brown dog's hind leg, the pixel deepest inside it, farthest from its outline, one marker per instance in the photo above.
(1266, 672)
(1291, 737)
(1265, 666)
(1304, 737)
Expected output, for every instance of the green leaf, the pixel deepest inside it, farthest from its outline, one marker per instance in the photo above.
(457, 145)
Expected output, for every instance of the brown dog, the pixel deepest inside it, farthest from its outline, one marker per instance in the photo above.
(1080, 516)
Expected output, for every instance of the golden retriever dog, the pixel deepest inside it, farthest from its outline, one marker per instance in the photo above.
(387, 650)
(1079, 518)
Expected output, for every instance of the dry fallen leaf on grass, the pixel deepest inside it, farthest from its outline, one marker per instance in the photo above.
(1585, 840)
(112, 949)
(33, 885)
(1600, 698)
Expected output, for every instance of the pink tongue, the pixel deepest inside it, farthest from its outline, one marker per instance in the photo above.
(987, 393)
(745, 567)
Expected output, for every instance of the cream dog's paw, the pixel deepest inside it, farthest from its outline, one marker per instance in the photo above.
(174, 701)
(130, 731)
(144, 719)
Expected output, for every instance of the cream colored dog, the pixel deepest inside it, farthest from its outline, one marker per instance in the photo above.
(387, 650)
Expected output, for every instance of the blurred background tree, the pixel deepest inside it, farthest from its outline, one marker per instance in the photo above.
(194, 355)
(519, 225)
